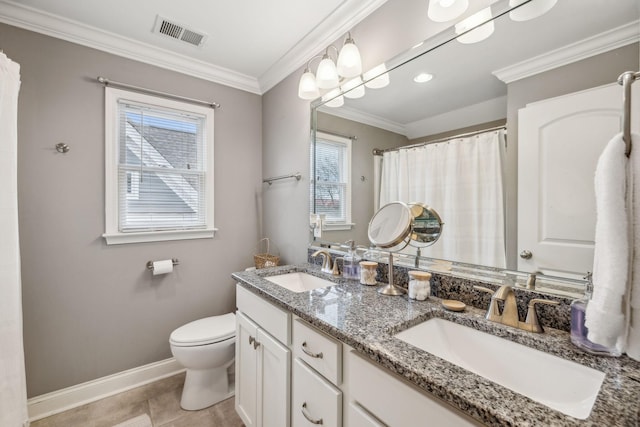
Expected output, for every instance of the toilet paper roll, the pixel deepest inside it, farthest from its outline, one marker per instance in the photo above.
(162, 267)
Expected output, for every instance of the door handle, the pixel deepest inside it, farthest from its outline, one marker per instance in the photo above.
(310, 354)
(526, 254)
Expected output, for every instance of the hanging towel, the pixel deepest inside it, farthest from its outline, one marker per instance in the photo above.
(605, 316)
(633, 206)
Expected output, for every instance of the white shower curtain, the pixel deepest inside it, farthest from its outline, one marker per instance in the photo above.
(13, 394)
(462, 180)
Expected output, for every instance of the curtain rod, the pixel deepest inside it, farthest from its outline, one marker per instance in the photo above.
(379, 152)
(105, 81)
(352, 137)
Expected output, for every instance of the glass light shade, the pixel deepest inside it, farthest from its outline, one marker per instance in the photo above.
(446, 10)
(353, 88)
(423, 78)
(377, 77)
(349, 61)
(530, 10)
(327, 74)
(479, 33)
(338, 101)
(307, 88)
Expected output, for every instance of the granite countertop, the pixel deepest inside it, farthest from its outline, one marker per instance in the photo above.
(360, 317)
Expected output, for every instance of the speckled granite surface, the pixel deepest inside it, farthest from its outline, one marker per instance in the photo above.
(367, 321)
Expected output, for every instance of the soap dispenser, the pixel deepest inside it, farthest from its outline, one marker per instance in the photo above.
(579, 331)
(351, 262)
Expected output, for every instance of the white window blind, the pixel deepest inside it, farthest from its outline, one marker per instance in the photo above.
(162, 166)
(332, 179)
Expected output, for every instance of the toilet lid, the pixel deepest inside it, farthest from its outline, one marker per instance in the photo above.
(205, 331)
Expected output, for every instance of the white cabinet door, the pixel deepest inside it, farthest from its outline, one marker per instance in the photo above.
(559, 143)
(246, 370)
(274, 369)
(315, 401)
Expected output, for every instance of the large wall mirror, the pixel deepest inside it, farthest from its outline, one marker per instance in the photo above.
(474, 93)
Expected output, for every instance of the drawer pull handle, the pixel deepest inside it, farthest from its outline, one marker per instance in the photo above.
(306, 415)
(253, 341)
(308, 353)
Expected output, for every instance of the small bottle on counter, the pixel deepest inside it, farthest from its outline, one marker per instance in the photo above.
(579, 331)
(368, 272)
(351, 262)
(419, 285)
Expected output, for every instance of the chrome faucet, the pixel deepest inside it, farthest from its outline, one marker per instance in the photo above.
(326, 260)
(509, 315)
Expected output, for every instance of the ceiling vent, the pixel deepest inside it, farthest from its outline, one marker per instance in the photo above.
(179, 31)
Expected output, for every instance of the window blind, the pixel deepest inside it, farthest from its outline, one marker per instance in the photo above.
(161, 168)
(332, 180)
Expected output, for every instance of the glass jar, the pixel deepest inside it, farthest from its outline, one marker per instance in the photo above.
(419, 285)
(368, 272)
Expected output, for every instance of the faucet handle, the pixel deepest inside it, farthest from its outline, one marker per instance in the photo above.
(336, 270)
(483, 289)
(531, 323)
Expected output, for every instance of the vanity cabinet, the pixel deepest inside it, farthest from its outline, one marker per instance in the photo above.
(263, 362)
(315, 401)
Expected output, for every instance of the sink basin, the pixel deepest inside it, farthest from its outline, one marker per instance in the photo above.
(299, 282)
(558, 383)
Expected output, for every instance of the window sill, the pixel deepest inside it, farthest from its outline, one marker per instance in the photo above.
(336, 227)
(158, 236)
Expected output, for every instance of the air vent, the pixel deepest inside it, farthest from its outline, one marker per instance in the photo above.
(179, 32)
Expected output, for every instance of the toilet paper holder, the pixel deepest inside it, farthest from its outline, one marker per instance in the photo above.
(173, 260)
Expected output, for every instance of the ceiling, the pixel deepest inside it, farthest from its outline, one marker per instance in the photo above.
(250, 44)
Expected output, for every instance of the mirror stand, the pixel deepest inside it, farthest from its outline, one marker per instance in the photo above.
(391, 288)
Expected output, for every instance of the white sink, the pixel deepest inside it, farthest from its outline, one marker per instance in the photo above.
(560, 384)
(299, 282)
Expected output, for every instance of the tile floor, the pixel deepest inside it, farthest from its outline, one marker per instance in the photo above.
(160, 400)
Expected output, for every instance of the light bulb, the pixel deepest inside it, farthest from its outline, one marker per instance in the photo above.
(530, 10)
(446, 10)
(349, 61)
(307, 88)
(478, 33)
(377, 77)
(353, 88)
(423, 78)
(327, 74)
(338, 101)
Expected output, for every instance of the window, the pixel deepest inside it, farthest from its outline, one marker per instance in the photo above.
(159, 169)
(332, 196)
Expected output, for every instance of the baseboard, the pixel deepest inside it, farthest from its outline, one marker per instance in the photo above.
(62, 400)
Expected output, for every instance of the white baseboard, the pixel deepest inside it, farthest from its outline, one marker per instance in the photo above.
(71, 397)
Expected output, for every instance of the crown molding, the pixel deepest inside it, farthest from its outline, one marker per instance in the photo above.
(341, 20)
(603, 42)
(51, 25)
(366, 118)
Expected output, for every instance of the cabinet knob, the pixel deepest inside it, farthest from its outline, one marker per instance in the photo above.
(308, 416)
(310, 354)
(526, 254)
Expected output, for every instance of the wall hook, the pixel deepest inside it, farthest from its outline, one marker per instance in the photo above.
(61, 147)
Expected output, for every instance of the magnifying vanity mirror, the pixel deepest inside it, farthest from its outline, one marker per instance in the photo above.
(477, 92)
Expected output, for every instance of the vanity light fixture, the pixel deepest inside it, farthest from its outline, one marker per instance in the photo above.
(353, 88)
(328, 74)
(531, 10)
(446, 10)
(423, 78)
(334, 98)
(479, 32)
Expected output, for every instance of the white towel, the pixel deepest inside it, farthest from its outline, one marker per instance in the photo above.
(633, 204)
(605, 316)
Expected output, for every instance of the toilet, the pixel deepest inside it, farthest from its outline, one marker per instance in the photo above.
(206, 348)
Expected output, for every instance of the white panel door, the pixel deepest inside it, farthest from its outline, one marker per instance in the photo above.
(274, 367)
(315, 400)
(559, 143)
(246, 370)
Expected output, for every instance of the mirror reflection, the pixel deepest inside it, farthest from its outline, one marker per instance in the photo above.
(456, 138)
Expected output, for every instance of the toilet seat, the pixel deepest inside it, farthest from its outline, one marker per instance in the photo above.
(205, 331)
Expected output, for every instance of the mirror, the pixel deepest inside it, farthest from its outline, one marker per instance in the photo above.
(391, 226)
(468, 93)
(427, 225)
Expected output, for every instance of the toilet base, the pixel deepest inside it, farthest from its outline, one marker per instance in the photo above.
(204, 388)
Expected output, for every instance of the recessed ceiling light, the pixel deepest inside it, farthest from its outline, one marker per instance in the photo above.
(423, 77)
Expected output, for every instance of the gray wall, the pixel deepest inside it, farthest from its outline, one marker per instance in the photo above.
(90, 309)
(369, 137)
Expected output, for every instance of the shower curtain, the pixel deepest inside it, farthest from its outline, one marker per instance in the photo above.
(462, 179)
(13, 394)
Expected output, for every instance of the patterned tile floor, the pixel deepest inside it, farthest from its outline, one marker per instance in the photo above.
(160, 400)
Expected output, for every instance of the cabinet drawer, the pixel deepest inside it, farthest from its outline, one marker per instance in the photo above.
(270, 318)
(360, 417)
(322, 353)
(397, 403)
(315, 400)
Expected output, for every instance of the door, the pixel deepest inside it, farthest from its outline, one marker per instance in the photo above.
(274, 366)
(559, 143)
(246, 370)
